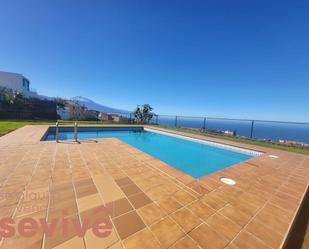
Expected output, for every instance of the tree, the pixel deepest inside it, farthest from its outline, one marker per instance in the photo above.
(11, 98)
(143, 113)
(61, 103)
(6, 96)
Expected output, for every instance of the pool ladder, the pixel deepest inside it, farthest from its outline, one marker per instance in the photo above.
(75, 132)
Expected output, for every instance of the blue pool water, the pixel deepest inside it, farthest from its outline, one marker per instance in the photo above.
(193, 158)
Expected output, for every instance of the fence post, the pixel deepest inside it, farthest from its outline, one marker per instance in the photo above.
(176, 121)
(252, 125)
(204, 127)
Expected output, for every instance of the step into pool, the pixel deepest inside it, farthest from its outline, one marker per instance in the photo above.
(193, 156)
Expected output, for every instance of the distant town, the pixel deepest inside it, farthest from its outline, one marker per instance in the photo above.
(19, 101)
(77, 108)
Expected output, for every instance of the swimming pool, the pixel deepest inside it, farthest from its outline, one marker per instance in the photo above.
(192, 156)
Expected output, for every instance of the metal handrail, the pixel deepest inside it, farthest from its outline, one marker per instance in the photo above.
(249, 130)
(57, 132)
(75, 132)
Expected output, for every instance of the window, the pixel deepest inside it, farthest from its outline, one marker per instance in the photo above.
(26, 84)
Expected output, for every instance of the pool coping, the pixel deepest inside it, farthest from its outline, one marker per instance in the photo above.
(240, 149)
(236, 149)
(266, 151)
(85, 126)
(214, 144)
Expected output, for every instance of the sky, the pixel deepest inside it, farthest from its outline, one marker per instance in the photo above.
(231, 59)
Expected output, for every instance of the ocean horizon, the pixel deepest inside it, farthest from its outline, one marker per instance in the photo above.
(275, 131)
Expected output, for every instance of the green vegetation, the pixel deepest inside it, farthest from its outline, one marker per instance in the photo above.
(10, 98)
(61, 103)
(8, 126)
(143, 114)
(13, 105)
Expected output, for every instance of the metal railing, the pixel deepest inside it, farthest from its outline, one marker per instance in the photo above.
(57, 132)
(249, 128)
(75, 132)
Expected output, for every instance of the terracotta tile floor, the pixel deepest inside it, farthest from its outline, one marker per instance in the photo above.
(151, 204)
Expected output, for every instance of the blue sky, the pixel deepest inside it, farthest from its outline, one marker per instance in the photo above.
(242, 59)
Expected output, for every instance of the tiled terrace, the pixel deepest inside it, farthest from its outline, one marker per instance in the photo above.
(152, 204)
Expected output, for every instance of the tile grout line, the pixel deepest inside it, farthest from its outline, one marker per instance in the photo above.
(261, 177)
(259, 210)
(183, 206)
(50, 188)
(20, 199)
(116, 232)
(75, 193)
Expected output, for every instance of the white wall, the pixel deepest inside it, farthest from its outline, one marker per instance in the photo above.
(15, 81)
(12, 80)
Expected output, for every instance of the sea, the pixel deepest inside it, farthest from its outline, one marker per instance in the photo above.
(261, 129)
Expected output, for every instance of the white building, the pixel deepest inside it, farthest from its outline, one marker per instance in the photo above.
(17, 82)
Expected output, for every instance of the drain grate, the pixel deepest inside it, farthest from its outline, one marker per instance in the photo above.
(273, 156)
(227, 181)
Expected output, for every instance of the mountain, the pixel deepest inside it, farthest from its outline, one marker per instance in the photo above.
(91, 105)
